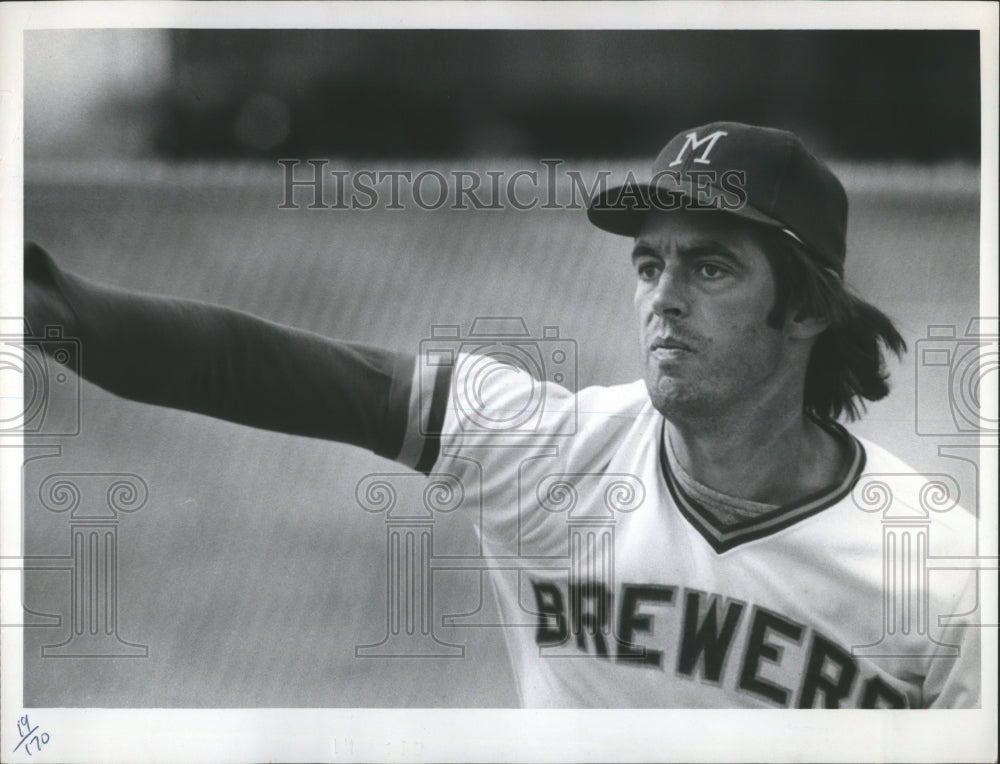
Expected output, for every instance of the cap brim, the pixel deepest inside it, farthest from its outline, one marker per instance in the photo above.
(621, 210)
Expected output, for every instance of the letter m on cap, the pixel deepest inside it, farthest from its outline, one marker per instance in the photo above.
(693, 142)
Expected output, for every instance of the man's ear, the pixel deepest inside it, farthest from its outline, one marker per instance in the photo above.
(805, 327)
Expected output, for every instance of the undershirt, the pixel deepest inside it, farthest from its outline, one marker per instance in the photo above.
(728, 510)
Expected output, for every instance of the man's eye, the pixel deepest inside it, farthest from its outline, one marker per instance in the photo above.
(648, 271)
(711, 271)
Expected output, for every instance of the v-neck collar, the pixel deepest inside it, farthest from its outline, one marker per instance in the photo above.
(722, 538)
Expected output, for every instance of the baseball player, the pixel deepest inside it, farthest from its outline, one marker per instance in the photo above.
(703, 538)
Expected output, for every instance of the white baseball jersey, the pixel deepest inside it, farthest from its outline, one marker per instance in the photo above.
(618, 590)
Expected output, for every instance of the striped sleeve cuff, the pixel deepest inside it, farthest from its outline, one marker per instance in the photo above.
(426, 399)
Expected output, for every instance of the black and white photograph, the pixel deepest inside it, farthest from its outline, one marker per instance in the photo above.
(498, 382)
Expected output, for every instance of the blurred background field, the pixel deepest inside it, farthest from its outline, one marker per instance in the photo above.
(252, 573)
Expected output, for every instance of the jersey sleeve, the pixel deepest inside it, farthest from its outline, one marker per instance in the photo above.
(500, 429)
(221, 362)
(482, 404)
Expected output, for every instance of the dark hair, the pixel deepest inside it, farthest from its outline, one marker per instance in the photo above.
(847, 363)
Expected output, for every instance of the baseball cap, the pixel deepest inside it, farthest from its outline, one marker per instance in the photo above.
(759, 173)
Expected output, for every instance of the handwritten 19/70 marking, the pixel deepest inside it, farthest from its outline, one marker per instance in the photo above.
(27, 733)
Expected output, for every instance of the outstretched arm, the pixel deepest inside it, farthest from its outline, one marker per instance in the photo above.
(222, 362)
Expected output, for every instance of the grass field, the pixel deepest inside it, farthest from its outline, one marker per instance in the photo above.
(251, 574)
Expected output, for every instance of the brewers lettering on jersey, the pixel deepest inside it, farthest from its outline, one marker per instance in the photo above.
(698, 538)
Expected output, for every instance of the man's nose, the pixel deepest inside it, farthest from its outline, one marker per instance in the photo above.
(670, 294)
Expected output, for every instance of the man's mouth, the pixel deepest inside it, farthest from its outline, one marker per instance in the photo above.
(669, 343)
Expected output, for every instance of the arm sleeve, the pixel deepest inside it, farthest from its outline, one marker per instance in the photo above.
(222, 362)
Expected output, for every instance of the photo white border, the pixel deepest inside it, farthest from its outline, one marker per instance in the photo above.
(211, 735)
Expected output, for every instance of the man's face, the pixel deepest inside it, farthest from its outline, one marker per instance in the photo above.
(703, 292)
